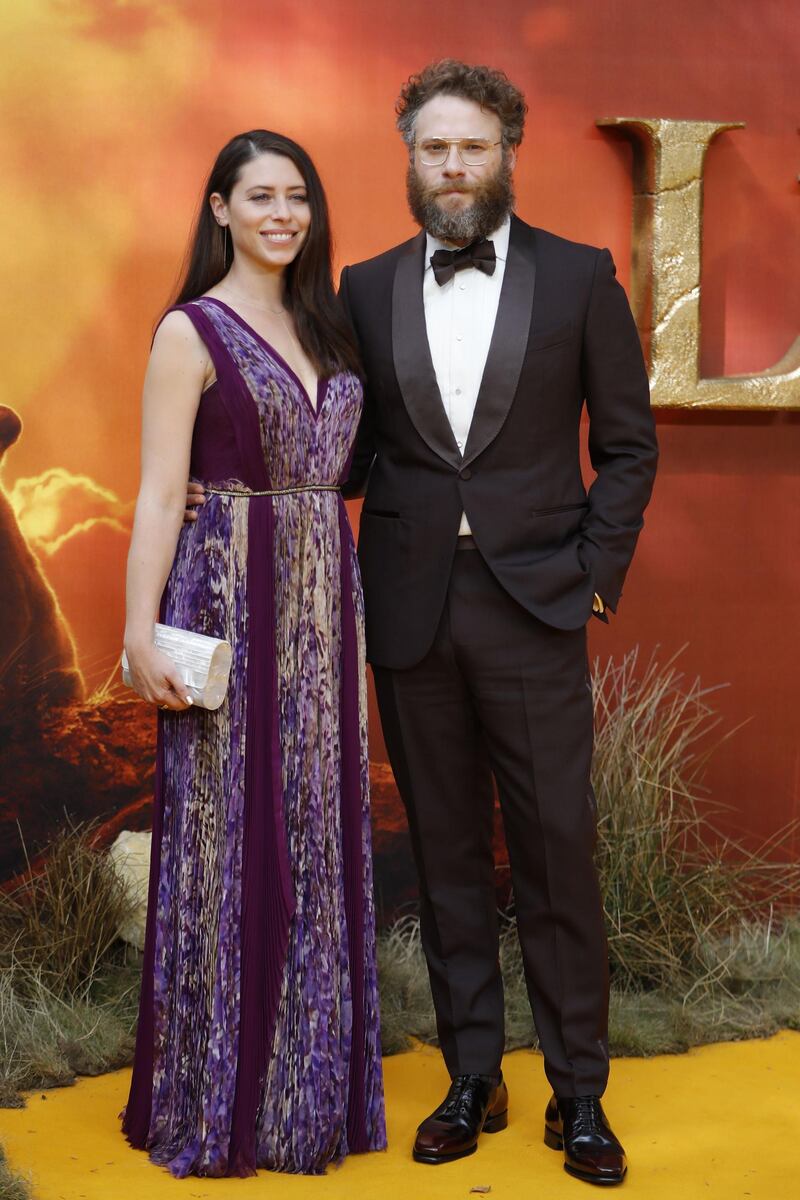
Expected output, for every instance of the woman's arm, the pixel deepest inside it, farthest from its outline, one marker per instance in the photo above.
(179, 365)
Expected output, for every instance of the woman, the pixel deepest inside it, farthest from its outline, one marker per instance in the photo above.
(258, 1040)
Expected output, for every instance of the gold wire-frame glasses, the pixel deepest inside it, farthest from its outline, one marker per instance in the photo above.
(473, 152)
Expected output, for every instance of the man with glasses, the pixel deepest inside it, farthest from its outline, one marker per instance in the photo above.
(483, 558)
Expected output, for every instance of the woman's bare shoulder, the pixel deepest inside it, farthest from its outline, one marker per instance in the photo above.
(177, 342)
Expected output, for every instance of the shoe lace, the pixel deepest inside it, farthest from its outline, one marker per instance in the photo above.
(587, 1115)
(459, 1098)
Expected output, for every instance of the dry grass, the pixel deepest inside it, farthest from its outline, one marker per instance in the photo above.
(13, 1186)
(60, 922)
(676, 890)
(47, 1039)
(406, 1005)
(68, 986)
(704, 943)
(760, 996)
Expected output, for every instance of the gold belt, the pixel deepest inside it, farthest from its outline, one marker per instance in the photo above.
(302, 487)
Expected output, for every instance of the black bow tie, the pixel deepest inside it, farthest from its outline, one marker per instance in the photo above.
(480, 255)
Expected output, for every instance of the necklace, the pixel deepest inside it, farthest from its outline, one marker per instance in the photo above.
(276, 312)
(281, 313)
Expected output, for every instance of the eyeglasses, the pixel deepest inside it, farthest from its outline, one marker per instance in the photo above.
(473, 152)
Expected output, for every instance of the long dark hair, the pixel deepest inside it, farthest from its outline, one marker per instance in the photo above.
(322, 326)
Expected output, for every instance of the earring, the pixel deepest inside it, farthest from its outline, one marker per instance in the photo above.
(224, 229)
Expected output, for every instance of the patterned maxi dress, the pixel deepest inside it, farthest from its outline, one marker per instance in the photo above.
(258, 1040)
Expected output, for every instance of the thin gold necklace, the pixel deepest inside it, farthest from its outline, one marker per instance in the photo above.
(276, 312)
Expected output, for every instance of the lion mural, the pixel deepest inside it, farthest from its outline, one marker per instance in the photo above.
(38, 666)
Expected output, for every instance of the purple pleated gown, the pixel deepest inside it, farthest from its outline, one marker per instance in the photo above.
(258, 1042)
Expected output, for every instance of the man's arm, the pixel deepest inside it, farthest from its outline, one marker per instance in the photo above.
(195, 496)
(622, 437)
(364, 451)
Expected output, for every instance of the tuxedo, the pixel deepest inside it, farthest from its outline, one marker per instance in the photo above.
(564, 334)
(478, 645)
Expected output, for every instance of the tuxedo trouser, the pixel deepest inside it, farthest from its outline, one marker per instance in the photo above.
(502, 694)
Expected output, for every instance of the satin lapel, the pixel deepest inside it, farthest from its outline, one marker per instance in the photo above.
(509, 342)
(412, 357)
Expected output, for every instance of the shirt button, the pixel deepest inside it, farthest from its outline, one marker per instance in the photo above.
(459, 337)
(462, 287)
(458, 391)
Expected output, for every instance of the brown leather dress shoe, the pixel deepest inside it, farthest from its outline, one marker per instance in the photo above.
(473, 1105)
(578, 1126)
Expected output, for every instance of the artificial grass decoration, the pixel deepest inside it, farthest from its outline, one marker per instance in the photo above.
(68, 986)
(758, 995)
(687, 907)
(13, 1186)
(704, 945)
(703, 941)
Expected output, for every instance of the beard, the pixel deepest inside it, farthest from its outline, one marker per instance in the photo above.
(492, 201)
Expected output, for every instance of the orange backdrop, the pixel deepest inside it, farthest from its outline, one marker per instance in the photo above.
(111, 116)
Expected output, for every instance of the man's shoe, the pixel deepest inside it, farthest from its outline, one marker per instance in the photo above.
(578, 1126)
(474, 1105)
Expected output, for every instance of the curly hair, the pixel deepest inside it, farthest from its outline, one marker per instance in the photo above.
(490, 88)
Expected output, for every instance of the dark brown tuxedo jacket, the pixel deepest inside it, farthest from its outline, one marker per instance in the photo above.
(564, 335)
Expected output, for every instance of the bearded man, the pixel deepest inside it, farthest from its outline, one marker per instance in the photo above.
(483, 558)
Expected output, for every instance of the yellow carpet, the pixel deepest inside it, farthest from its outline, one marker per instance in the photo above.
(722, 1121)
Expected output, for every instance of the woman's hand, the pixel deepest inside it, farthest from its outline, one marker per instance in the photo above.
(156, 678)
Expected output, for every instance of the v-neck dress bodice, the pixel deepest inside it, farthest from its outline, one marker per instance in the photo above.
(258, 1042)
(257, 393)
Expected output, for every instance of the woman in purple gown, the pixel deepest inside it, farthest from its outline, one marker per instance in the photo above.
(258, 1042)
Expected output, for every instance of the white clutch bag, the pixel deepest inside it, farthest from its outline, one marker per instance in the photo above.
(204, 663)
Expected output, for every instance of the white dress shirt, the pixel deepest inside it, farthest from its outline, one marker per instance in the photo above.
(460, 317)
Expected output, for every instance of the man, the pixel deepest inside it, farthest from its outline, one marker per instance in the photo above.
(483, 558)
